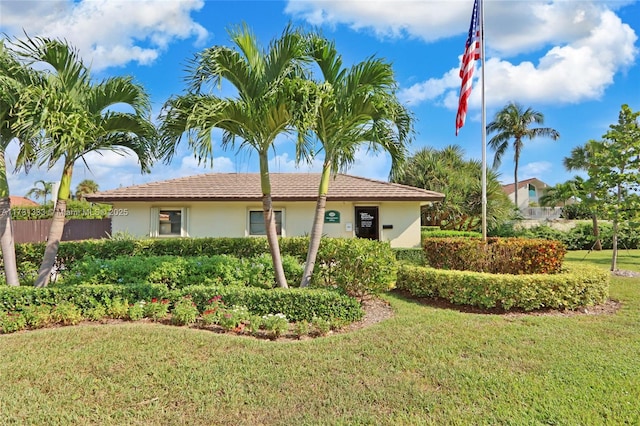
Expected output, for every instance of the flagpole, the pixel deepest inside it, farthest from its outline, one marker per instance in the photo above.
(484, 127)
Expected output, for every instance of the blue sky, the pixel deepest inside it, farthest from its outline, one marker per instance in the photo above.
(574, 61)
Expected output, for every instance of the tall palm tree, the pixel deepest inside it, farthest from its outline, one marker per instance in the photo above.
(513, 122)
(355, 106)
(260, 112)
(86, 187)
(13, 78)
(37, 193)
(581, 158)
(72, 116)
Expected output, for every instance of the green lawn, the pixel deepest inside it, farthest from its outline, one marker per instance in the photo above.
(424, 366)
(627, 259)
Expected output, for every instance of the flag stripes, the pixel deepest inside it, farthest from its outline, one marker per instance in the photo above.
(469, 58)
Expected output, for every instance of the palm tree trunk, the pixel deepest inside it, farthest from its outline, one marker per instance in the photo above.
(56, 230)
(270, 223)
(6, 228)
(318, 224)
(7, 243)
(515, 179)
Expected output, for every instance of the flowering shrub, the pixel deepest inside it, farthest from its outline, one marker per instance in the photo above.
(156, 310)
(275, 324)
(234, 318)
(213, 311)
(184, 312)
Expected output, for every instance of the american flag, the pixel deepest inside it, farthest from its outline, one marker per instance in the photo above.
(471, 55)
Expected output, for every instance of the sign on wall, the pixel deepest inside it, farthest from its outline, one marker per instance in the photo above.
(332, 216)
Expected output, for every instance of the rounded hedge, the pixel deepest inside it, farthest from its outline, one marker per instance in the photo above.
(572, 288)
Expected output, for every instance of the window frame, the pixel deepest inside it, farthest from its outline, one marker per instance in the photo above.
(155, 227)
(281, 226)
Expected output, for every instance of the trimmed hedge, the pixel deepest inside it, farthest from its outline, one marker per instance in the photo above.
(357, 266)
(414, 256)
(572, 288)
(178, 272)
(296, 304)
(497, 255)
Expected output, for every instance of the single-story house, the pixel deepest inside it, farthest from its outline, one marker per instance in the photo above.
(529, 192)
(230, 205)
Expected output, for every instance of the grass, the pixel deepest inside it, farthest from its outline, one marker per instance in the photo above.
(424, 366)
(627, 259)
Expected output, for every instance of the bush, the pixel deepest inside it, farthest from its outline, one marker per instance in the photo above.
(332, 250)
(11, 322)
(37, 316)
(66, 313)
(178, 272)
(497, 255)
(356, 266)
(184, 312)
(570, 289)
(414, 256)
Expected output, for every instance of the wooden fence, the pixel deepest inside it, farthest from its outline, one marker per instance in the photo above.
(33, 231)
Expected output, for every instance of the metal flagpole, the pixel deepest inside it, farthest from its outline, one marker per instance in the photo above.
(484, 127)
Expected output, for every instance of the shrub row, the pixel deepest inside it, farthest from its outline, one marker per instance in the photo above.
(497, 255)
(355, 265)
(178, 272)
(296, 304)
(581, 236)
(571, 289)
(442, 233)
(414, 256)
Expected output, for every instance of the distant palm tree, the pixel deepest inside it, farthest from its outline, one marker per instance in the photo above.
(581, 158)
(260, 112)
(72, 116)
(37, 193)
(558, 194)
(513, 122)
(86, 187)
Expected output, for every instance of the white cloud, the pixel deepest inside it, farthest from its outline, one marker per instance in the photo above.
(570, 73)
(107, 32)
(536, 169)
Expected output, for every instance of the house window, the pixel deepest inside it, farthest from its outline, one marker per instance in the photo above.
(256, 222)
(169, 222)
(533, 196)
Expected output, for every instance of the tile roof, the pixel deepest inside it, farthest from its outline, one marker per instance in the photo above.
(17, 201)
(246, 187)
(510, 188)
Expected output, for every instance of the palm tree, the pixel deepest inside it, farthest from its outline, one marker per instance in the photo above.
(448, 172)
(13, 78)
(260, 112)
(513, 122)
(37, 193)
(72, 117)
(558, 194)
(581, 158)
(354, 107)
(86, 187)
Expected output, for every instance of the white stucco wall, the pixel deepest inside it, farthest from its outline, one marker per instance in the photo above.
(230, 219)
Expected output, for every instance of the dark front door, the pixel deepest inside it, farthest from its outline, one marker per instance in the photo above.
(367, 222)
